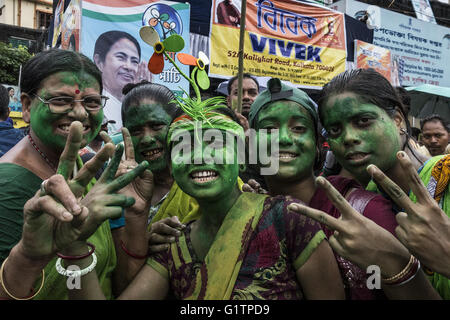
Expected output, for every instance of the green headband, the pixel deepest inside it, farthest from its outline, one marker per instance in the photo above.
(213, 120)
(276, 90)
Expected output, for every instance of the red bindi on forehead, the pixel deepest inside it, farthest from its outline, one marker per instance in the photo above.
(77, 91)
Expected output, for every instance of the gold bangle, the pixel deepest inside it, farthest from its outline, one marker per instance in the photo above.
(9, 294)
(401, 273)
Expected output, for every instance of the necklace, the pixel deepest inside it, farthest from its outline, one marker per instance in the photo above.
(41, 153)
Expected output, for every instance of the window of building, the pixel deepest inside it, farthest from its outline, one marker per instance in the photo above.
(43, 19)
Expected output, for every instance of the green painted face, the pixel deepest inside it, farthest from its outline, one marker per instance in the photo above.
(52, 129)
(360, 134)
(208, 182)
(148, 124)
(296, 138)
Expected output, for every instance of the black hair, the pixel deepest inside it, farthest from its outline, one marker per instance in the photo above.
(4, 103)
(370, 87)
(9, 88)
(245, 75)
(107, 40)
(415, 132)
(135, 93)
(435, 118)
(52, 61)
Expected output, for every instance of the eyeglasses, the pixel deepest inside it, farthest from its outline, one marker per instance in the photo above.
(65, 104)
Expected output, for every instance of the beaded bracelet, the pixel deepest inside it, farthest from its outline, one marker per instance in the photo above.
(407, 274)
(75, 273)
(80, 256)
(133, 255)
(9, 294)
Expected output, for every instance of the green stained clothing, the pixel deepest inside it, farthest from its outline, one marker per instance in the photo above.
(17, 186)
(439, 282)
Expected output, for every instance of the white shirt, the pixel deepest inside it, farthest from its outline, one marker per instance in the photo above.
(113, 111)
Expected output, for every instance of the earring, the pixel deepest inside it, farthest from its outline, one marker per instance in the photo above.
(403, 131)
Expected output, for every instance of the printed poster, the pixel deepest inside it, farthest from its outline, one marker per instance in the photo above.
(424, 47)
(368, 55)
(423, 10)
(110, 37)
(70, 26)
(301, 43)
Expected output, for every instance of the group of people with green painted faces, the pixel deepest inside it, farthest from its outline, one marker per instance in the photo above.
(163, 222)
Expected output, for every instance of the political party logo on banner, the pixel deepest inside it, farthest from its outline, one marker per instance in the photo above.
(110, 37)
(301, 43)
(372, 56)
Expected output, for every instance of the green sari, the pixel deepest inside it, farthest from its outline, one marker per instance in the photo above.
(221, 265)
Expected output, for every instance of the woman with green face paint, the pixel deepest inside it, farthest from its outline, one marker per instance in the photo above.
(368, 134)
(291, 112)
(243, 245)
(62, 102)
(147, 111)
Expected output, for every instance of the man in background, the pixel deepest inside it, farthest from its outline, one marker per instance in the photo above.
(250, 90)
(435, 134)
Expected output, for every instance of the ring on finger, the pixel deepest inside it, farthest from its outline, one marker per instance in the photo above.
(43, 190)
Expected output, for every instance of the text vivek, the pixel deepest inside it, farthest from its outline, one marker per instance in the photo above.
(301, 51)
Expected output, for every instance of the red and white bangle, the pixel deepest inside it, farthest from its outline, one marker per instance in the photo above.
(75, 273)
(406, 275)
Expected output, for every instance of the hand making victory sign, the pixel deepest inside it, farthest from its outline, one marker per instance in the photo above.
(363, 242)
(424, 228)
(141, 188)
(355, 237)
(56, 216)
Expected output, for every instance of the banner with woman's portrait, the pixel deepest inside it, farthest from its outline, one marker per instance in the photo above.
(110, 37)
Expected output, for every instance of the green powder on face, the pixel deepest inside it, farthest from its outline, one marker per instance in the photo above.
(358, 129)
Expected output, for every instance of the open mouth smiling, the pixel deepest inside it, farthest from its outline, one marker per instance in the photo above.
(203, 176)
(64, 128)
(152, 154)
(286, 156)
